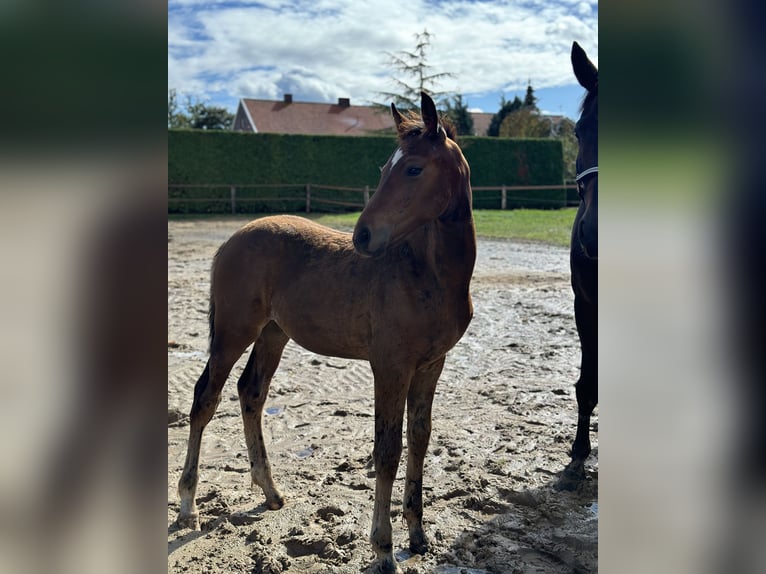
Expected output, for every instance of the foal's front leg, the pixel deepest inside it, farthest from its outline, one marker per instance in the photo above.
(419, 401)
(390, 397)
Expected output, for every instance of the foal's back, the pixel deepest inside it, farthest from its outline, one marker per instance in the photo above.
(303, 276)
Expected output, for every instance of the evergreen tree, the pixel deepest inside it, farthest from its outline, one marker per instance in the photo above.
(457, 112)
(530, 100)
(413, 65)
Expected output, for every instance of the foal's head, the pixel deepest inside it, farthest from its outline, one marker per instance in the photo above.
(586, 130)
(427, 178)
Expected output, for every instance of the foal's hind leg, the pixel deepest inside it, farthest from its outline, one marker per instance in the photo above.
(253, 389)
(419, 401)
(207, 395)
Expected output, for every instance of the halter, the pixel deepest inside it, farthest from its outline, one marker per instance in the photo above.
(581, 176)
(590, 170)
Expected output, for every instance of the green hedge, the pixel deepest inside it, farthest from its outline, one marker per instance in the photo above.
(202, 157)
(502, 161)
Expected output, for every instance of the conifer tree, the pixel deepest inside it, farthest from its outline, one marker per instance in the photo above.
(418, 73)
(457, 112)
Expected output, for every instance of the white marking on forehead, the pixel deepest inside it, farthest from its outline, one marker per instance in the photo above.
(397, 156)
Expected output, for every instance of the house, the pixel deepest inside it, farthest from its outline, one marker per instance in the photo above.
(289, 117)
(342, 118)
(481, 121)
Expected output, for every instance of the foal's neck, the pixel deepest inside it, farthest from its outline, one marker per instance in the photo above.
(452, 241)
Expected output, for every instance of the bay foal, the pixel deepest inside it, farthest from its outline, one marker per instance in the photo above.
(396, 294)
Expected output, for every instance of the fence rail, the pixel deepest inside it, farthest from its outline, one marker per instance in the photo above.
(312, 200)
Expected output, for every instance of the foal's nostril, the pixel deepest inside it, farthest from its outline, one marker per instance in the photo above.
(362, 238)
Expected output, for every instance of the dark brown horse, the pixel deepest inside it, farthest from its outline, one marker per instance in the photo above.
(584, 264)
(395, 294)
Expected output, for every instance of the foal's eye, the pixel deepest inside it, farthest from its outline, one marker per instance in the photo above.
(412, 171)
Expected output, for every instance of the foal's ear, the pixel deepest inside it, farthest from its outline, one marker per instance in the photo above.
(397, 116)
(584, 70)
(430, 116)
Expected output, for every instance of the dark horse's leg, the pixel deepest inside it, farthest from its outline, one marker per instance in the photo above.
(419, 401)
(586, 317)
(253, 387)
(207, 394)
(391, 385)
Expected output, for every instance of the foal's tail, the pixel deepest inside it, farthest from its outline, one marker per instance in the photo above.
(211, 321)
(211, 305)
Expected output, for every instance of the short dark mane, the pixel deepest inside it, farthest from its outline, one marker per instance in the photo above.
(588, 99)
(412, 125)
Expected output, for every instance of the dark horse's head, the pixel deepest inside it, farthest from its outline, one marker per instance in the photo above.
(585, 231)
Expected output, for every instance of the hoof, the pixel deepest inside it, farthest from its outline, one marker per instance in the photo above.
(418, 544)
(571, 477)
(274, 498)
(190, 521)
(566, 483)
(275, 502)
(387, 566)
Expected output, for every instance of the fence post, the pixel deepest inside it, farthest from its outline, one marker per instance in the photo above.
(503, 198)
(366, 195)
(233, 191)
(308, 198)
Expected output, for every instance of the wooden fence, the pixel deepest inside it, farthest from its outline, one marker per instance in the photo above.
(311, 194)
(504, 189)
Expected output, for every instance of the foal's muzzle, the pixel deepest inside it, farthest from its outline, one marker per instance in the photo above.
(370, 243)
(362, 240)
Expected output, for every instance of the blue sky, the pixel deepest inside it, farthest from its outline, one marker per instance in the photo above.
(319, 50)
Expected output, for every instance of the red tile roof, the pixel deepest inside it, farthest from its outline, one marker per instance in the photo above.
(289, 117)
(269, 116)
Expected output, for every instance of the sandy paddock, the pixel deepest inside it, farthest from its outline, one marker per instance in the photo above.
(503, 420)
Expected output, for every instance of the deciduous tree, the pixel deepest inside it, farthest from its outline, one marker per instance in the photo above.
(196, 114)
(505, 109)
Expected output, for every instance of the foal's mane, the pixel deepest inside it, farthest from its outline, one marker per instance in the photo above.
(412, 126)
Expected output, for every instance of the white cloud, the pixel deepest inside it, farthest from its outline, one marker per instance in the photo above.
(326, 49)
